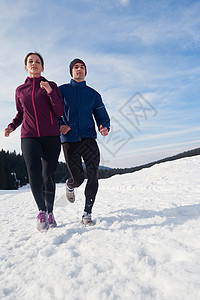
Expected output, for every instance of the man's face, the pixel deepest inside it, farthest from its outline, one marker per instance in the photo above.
(78, 72)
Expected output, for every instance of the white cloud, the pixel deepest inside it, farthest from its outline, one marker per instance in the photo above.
(124, 2)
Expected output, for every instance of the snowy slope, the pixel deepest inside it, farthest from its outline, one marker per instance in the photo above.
(145, 244)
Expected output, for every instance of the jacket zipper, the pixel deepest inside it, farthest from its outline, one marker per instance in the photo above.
(51, 118)
(77, 105)
(36, 119)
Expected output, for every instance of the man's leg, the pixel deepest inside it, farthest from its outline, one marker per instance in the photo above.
(91, 156)
(72, 153)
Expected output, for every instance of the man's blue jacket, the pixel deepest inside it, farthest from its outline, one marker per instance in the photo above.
(81, 104)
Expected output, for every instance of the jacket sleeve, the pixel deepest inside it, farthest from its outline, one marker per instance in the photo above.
(100, 114)
(19, 116)
(60, 121)
(56, 101)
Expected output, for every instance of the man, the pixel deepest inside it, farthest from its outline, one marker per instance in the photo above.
(82, 105)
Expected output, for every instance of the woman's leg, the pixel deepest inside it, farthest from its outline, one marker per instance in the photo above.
(32, 151)
(51, 147)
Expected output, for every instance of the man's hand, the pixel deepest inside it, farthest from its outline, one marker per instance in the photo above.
(103, 130)
(64, 129)
(45, 85)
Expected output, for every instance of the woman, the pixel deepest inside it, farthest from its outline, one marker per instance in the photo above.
(39, 104)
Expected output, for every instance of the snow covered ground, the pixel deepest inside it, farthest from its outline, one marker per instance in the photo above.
(145, 244)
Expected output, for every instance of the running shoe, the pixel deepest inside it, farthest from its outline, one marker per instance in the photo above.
(52, 221)
(87, 219)
(42, 221)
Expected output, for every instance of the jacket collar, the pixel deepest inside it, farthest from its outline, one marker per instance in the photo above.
(81, 84)
(37, 79)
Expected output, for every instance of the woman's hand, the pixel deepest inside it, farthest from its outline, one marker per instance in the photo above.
(45, 85)
(7, 131)
(64, 129)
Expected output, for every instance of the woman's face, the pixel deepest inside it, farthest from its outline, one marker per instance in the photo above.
(34, 66)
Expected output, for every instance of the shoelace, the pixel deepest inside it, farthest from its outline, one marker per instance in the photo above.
(88, 218)
(42, 217)
(50, 219)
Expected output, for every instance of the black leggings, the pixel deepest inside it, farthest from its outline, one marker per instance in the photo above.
(89, 151)
(41, 157)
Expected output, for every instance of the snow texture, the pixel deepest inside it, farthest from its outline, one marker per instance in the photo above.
(145, 244)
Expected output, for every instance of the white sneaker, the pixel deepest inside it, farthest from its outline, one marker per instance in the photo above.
(87, 219)
(42, 221)
(70, 194)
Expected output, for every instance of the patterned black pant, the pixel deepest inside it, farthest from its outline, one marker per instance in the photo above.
(89, 151)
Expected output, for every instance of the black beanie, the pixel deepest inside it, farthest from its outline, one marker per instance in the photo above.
(73, 62)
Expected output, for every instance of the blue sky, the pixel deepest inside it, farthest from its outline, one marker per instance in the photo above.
(141, 56)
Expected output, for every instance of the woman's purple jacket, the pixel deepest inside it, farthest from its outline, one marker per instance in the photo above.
(37, 111)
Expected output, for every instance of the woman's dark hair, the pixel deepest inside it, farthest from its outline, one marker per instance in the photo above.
(34, 53)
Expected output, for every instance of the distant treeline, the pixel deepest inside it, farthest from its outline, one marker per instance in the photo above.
(13, 173)
(148, 165)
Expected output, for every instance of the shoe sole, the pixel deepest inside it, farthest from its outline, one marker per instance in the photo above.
(71, 200)
(52, 226)
(88, 224)
(43, 230)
